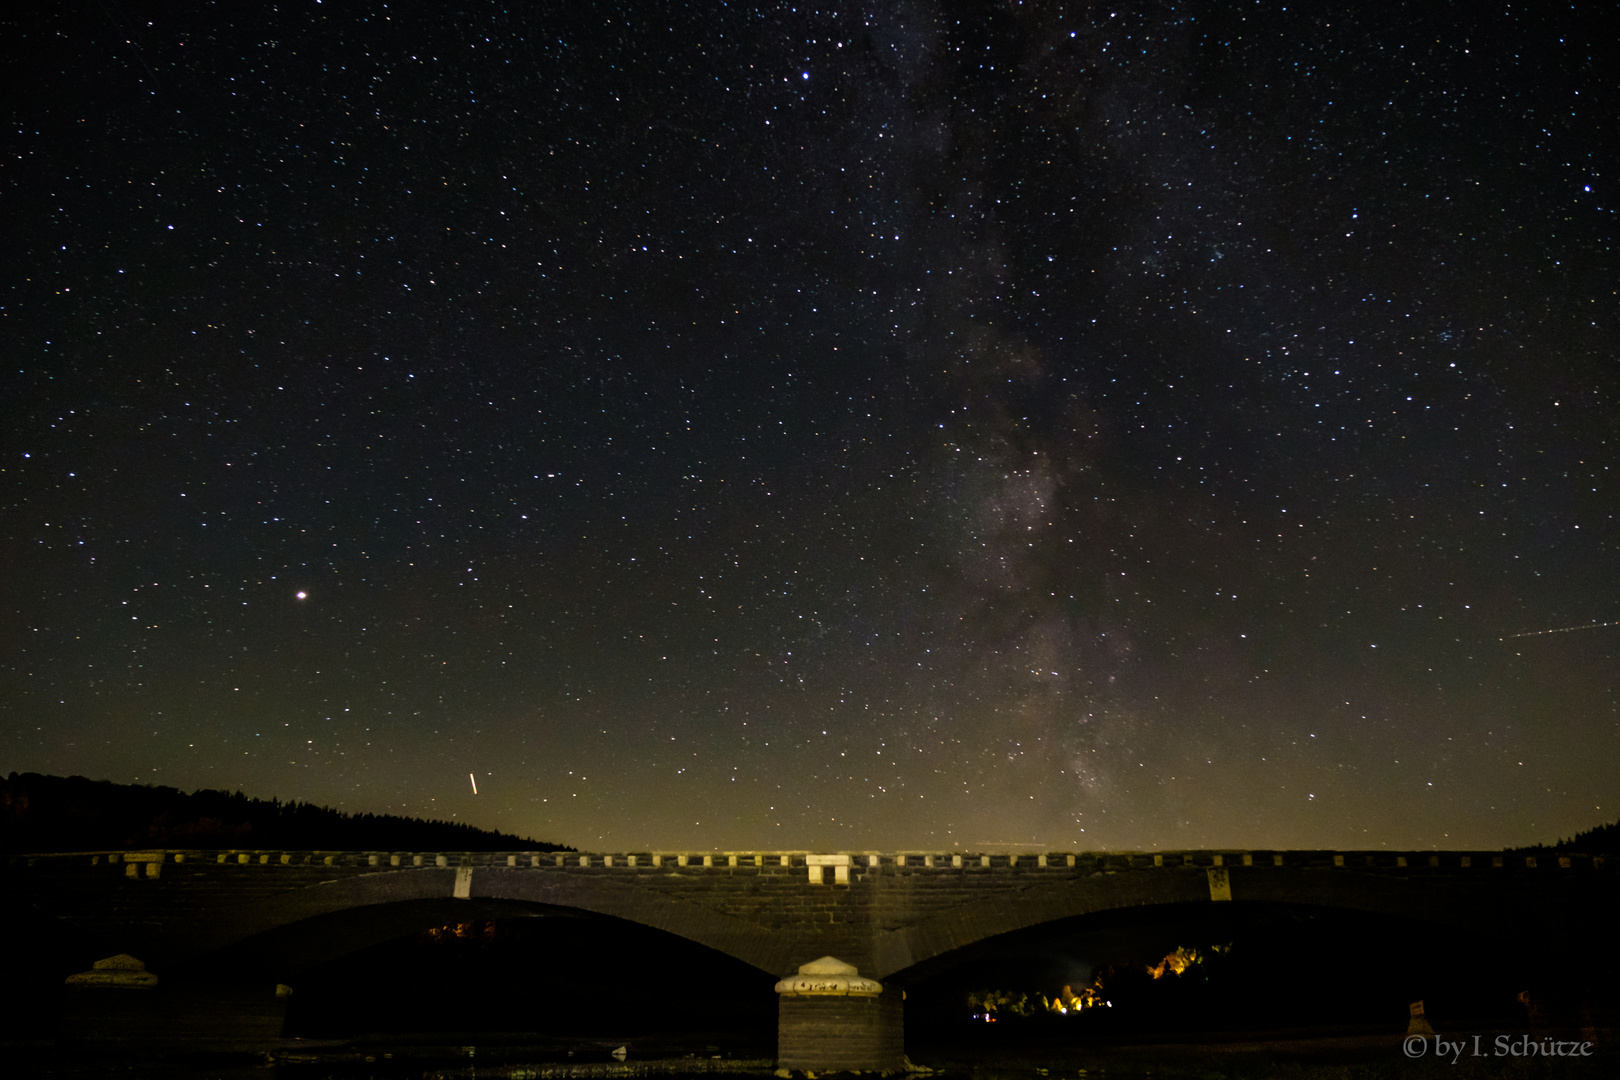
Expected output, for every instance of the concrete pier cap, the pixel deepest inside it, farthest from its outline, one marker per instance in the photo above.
(831, 976)
(122, 972)
(831, 1018)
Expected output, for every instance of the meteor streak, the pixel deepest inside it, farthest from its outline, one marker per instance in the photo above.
(474, 782)
(1560, 630)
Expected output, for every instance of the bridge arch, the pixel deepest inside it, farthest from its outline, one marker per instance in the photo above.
(308, 926)
(905, 950)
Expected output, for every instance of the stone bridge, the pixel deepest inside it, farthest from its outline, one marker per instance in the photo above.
(273, 914)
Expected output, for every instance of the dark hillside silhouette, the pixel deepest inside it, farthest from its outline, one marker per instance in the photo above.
(53, 813)
(1598, 840)
(1603, 838)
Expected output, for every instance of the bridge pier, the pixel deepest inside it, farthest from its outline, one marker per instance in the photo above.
(118, 1003)
(832, 1019)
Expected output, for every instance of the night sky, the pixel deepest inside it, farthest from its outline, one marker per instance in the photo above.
(889, 427)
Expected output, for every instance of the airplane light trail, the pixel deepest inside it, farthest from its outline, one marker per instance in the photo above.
(1560, 630)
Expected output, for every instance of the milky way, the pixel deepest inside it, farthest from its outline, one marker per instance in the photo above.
(903, 428)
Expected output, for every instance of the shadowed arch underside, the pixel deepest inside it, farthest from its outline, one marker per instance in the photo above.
(307, 926)
(1461, 905)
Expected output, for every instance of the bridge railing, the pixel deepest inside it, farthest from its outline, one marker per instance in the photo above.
(149, 863)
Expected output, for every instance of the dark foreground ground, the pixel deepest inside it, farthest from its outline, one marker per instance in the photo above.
(1258, 1055)
(1288, 993)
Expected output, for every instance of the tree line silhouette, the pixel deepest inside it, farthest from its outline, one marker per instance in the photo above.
(40, 814)
(1601, 839)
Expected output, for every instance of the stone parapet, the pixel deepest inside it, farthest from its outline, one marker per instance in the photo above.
(149, 863)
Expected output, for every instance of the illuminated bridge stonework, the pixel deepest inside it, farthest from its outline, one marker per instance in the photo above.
(278, 913)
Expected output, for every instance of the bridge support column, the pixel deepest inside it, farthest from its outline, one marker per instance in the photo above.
(831, 1019)
(118, 1003)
